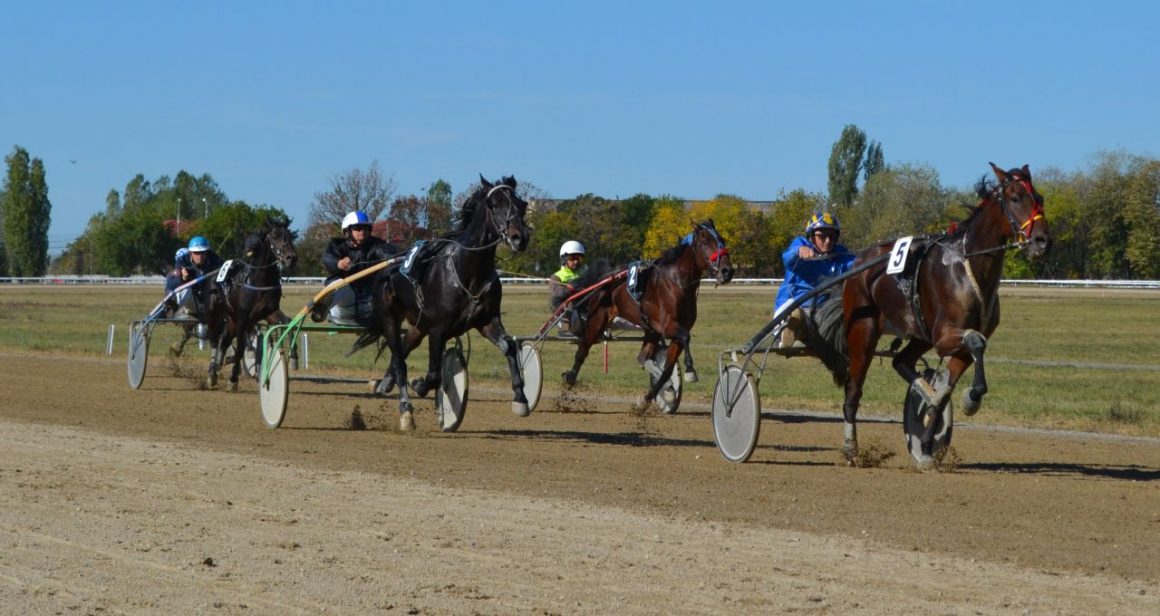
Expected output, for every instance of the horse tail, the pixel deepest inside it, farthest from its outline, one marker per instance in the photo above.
(827, 338)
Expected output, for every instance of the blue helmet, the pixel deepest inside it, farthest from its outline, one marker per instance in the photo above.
(823, 220)
(198, 244)
(357, 218)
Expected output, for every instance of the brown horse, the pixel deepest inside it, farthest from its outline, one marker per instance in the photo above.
(954, 307)
(667, 308)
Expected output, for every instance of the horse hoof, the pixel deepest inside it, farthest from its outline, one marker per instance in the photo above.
(233, 387)
(407, 421)
(970, 405)
(420, 387)
(385, 386)
(850, 453)
(294, 363)
(925, 464)
(569, 378)
(521, 409)
(691, 377)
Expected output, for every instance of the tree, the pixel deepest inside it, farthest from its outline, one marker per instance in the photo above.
(875, 162)
(26, 213)
(439, 198)
(788, 218)
(904, 200)
(845, 162)
(408, 220)
(670, 222)
(1142, 214)
(354, 190)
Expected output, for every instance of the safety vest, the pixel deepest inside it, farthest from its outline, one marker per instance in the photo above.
(566, 275)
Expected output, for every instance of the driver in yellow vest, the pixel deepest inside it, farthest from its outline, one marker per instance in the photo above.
(560, 283)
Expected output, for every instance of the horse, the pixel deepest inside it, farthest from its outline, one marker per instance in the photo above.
(253, 294)
(667, 309)
(452, 286)
(954, 308)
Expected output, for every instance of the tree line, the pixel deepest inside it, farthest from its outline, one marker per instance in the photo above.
(1105, 219)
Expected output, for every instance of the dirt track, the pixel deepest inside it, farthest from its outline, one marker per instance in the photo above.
(172, 500)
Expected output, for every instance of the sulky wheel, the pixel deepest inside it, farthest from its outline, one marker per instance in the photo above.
(914, 416)
(275, 391)
(532, 369)
(736, 414)
(138, 353)
(451, 399)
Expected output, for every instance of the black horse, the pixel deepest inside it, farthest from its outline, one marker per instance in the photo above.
(450, 287)
(251, 293)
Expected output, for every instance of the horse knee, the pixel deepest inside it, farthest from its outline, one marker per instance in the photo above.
(974, 342)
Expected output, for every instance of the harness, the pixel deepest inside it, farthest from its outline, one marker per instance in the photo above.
(908, 280)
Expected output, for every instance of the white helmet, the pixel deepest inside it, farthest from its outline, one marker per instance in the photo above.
(571, 247)
(357, 218)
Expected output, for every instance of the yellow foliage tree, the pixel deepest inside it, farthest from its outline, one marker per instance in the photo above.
(669, 224)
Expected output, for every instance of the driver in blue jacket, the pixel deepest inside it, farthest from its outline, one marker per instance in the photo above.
(810, 258)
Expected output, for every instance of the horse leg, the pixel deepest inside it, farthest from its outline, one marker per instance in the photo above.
(904, 364)
(240, 342)
(690, 371)
(495, 332)
(216, 352)
(975, 344)
(861, 339)
(435, 342)
(677, 344)
(397, 373)
(596, 322)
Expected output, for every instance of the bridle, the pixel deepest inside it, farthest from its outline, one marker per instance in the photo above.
(512, 212)
(1022, 232)
(281, 261)
(721, 250)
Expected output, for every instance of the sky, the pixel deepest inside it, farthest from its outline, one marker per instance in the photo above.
(692, 99)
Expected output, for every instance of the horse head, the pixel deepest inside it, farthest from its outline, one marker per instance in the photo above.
(1023, 207)
(276, 234)
(711, 247)
(506, 211)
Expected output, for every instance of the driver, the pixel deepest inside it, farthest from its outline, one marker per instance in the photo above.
(810, 258)
(355, 251)
(560, 284)
(189, 263)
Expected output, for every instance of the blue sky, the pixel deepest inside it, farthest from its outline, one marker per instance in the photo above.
(614, 98)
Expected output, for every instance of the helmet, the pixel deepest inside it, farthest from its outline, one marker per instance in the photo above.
(823, 220)
(357, 218)
(571, 247)
(198, 243)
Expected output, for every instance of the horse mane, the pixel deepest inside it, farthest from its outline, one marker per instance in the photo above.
(462, 219)
(598, 269)
(672, 255)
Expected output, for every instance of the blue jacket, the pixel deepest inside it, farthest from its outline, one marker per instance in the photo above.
(803, 275)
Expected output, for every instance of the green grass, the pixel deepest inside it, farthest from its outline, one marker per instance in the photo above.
(1076, 326)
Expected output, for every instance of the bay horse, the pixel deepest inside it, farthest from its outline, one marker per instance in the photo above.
(954, 307)
(667, 309)
(253, 293)
(453, 286)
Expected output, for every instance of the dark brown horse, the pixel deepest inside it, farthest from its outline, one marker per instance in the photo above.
(954, 306)
(667, 308)
(253, 293)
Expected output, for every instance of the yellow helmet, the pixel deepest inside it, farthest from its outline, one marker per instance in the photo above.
(823, 220)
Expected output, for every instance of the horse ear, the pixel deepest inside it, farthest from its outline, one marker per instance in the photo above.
(999, 173)
(483, 181)
(1026, 172)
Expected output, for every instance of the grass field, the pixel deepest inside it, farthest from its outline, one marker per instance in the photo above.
(1077, 358)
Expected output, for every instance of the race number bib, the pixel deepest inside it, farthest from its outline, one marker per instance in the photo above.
(897, 261)
(224, 272)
